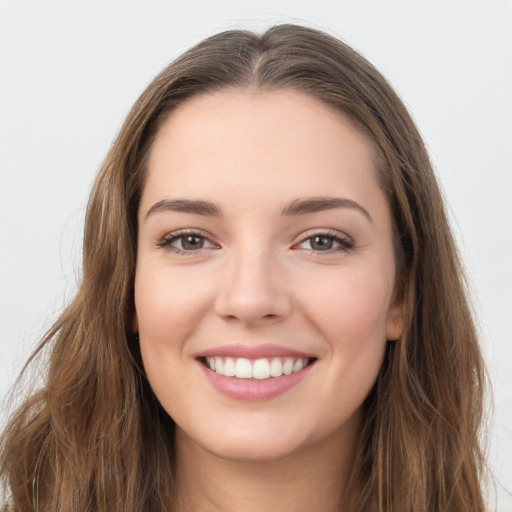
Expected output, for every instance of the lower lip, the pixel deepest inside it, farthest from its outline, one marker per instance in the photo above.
(254, 389)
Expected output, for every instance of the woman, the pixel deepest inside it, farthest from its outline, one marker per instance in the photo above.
(272, 312)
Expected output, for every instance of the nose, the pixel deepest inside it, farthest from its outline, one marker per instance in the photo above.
(253, 291)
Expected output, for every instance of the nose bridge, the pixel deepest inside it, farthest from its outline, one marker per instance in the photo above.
(253, 289)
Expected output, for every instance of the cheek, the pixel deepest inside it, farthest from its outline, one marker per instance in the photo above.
(349, 310)
(169, 303)
(169, 308)
(350, 306)
(350, 313)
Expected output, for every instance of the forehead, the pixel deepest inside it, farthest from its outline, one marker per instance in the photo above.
(243, 145)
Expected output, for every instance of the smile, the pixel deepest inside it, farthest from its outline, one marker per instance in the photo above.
(261, 369)
(255, 372)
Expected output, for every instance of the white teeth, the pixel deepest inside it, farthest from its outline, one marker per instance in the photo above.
(260, 369)
(276, 367)
(288, 366)
(299, 364)
(229, 367)
(243, 368)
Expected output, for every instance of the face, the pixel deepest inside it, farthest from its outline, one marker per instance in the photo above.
(264, 287)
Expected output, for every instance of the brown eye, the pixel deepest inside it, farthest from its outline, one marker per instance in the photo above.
(185, 243)
(326, 242)
(191, 242)
(321, 243)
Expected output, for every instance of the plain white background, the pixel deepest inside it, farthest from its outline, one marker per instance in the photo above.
(70, 70)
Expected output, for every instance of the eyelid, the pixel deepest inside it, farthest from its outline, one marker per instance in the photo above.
(166, 240)
(346, 242)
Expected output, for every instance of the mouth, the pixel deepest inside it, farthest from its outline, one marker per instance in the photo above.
(256, 369)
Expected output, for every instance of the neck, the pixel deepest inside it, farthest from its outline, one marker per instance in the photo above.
(314, 479)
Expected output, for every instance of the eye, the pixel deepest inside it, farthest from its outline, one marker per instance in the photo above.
(326, 242)
(185, 242)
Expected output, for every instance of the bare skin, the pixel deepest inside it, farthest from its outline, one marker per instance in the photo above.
(262, 225)
(303, 482)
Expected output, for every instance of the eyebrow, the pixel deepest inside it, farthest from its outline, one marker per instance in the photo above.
(301, 206)
(319, 204)
(197, 207)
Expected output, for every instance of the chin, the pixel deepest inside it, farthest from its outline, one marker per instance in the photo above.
(243, 444)
(254, 452)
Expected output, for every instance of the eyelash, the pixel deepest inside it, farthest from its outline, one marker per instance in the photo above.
(344, 241)
(167, 241)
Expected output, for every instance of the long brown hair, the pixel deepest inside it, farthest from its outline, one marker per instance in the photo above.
(94, 437)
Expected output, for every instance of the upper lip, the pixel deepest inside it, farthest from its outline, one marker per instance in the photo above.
(253, 351)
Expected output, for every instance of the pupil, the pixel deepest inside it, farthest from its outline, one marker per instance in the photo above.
(321, 242)
(192, 242)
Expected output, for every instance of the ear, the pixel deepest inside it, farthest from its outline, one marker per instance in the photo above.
(135, 322)
(396, 315)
